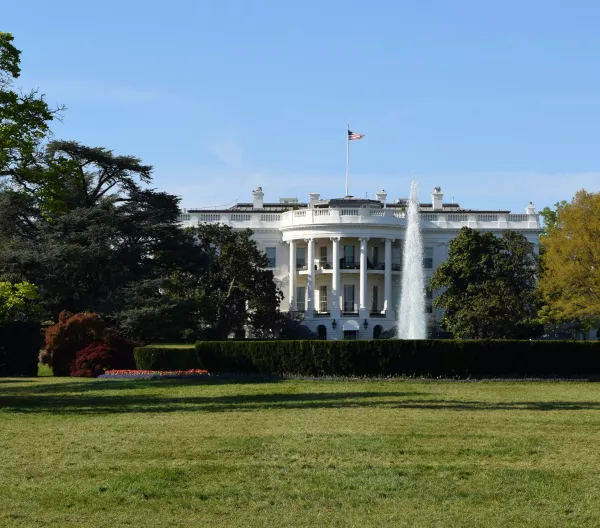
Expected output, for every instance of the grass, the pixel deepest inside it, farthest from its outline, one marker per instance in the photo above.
(113, 453)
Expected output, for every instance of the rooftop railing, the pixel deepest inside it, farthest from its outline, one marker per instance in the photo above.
(354, 215)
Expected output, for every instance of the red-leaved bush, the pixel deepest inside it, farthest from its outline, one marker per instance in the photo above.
(80, 345)
(93, 360)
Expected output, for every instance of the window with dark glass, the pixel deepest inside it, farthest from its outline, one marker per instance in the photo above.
(375, 255)
(271, 256)
(348, 298)
(428, 257)
(375, 299)
(323, 256)
(349, 254)
(300, 298)
(396, 258)
(300, 257)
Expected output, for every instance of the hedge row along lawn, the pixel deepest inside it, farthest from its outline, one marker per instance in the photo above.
(116, 453)
(426, 358)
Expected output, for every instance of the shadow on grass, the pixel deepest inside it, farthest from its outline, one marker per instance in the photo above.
(88, 398)
(4, 381)
(88, 385)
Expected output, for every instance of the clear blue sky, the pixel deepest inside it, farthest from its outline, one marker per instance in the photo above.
(496, 102)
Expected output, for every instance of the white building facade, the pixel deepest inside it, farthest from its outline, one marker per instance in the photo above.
(339, 261)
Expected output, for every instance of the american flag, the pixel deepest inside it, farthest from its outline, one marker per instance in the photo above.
(353, 135)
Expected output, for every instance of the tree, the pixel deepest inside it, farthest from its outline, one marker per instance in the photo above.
(81, 223)
(570, 281)
(237, 290)
(24, 117)
(489, 286)
(19, 302)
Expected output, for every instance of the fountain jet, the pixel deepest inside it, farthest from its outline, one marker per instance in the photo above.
(411, 324)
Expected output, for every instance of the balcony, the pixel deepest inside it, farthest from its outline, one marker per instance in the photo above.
(375, 265)
(350, 264)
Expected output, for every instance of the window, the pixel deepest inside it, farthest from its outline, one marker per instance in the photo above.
(323, 299)
(300, 257)
(396, 258)
(428, 301)
(323, 255)
(300, 298)
(322, 331)
(375, 299)
(271, 256)
(428, 257)
(349, 254)
(395, 295)
(348, 297)
(375, 255)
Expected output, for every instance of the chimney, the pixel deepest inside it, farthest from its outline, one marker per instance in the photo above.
(436, 198)
(313, 199)
(381, 196)
(257, 198)
(530, 209)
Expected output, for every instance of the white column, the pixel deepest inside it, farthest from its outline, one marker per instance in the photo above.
(310, 303)
(362, 307)
(292, 292)
(387, 286)
(335, 280)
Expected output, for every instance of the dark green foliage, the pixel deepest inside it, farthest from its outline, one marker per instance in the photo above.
(165, 358)
(236, 289)
(83, 225)
(19, 348)
(430, 358)
(24, 117)
(488, 286)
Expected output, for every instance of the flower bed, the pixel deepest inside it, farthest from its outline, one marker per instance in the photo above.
(155, 374)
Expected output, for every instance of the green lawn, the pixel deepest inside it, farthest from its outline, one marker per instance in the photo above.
(111, 453)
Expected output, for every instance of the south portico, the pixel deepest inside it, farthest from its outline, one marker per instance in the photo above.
(344, 281)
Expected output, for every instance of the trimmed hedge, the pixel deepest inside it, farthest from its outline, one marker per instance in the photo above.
(429, 358)
(20, 344)
(166, 358)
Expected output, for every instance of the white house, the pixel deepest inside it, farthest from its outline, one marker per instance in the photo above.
(339, 261)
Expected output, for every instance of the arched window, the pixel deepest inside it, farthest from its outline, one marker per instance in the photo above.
(377, 329)
(322, 331)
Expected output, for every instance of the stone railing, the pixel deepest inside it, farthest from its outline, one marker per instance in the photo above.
(391, 217)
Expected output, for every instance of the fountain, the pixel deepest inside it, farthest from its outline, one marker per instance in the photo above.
(411, 324)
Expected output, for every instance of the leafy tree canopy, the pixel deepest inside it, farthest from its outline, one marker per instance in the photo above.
(83, 225)
(19, 302)
(237, 289)
(570, 281)
(488, 286)
(24, 117)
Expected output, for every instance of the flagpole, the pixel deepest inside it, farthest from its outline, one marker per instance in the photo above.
(347, 155)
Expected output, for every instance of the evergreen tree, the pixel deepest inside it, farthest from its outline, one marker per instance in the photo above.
(488, 286)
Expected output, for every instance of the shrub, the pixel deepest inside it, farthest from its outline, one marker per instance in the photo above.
(71, 337)
(93, 360)
(165, 358)
(71, 334)
(430, 358)
(391, 357)
(19, 348)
